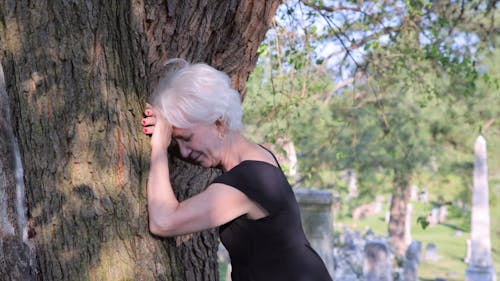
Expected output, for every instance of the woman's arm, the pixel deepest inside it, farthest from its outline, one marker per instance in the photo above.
(215, 206)
(161, 198)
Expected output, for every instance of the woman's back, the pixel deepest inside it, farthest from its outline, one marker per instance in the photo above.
(273, 247)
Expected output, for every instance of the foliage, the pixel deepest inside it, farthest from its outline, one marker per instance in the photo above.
(376, 86)
(422, 221)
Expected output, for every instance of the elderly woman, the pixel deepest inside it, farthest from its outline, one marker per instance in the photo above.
(251, 202)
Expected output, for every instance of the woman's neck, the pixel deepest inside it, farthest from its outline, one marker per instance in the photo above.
(234, 150)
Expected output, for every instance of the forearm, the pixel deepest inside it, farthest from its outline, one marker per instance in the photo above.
(161, 198)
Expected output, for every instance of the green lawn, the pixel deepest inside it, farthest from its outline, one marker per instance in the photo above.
(450, 239)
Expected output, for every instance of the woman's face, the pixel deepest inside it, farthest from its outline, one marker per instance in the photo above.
(200, 144)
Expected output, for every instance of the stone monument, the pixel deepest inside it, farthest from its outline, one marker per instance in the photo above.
(412, 259)
(317, 220)
(480, 265)
(431, 252)
(377, 265)
(350, 178)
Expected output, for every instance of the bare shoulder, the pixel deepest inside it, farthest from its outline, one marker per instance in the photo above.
(261, 153)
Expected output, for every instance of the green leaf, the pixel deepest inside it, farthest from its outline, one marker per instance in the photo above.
(422, 220)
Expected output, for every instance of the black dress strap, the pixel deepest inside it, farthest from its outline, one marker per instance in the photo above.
(275, 159)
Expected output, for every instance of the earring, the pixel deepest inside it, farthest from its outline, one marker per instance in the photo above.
(221, 135)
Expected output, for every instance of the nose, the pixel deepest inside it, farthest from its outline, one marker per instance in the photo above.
(185, 150)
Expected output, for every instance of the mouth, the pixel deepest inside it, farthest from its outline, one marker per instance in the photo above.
(195, 157)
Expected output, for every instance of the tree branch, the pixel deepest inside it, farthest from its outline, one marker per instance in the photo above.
(341, 85)
(332, 8)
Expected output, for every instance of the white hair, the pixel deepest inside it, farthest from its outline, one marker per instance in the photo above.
(192, 94)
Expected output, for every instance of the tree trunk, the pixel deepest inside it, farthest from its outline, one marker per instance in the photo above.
(78, 74)
(19, 263)
(398, 209)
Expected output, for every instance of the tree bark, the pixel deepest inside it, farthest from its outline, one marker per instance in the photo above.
(17, 261)
(78, 75)
(398, 209)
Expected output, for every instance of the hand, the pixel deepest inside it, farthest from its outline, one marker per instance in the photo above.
(149, 121)
(158, 127)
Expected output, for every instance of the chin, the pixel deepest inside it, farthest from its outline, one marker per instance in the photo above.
(207, 164)
(202, 164)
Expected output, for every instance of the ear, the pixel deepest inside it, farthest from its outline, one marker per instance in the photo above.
(220, 124)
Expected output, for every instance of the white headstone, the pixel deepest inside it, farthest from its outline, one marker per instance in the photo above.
(414, 193)
(443, 213)
(480, 265)
(431, 252)
(423, 196)
(434, 216)
(377, 205)
(350, 178)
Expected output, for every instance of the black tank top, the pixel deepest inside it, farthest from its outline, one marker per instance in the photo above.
(273, 248)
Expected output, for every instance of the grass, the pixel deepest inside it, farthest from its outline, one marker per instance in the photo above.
(450, 239)
(222, 271)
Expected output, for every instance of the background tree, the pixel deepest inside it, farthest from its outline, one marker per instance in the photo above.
(78, 75)
(375, 85)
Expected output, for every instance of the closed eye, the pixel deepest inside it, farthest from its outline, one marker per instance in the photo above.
(184, 138)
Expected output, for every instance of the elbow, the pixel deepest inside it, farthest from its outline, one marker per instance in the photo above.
(160, 229)
(155, 229)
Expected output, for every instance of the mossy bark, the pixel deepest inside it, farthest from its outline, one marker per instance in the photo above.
(78, 75)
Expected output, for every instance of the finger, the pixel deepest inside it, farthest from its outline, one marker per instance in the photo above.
(149, 111)
(148, 130)
(148, 121)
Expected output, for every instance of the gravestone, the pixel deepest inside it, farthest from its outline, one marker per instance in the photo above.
(363, 211)
(348, 256)
(350, 178)
(414, 193)
(431, 252)
(377, 262)
(317, 219)
(379, 200)
(412, 259)
(443, 214)
(423, 196)
(369, 234)
(433, 218)
(480, 265)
